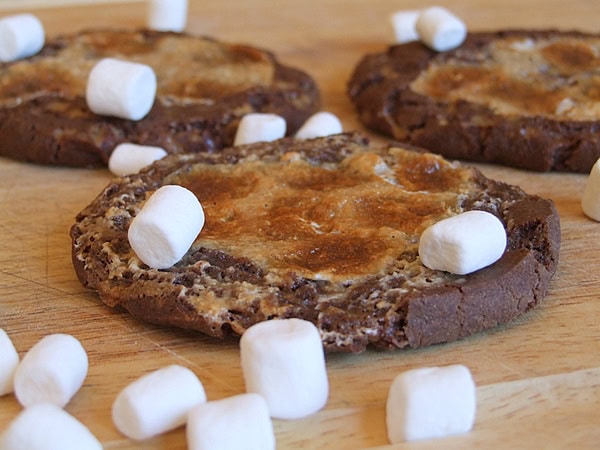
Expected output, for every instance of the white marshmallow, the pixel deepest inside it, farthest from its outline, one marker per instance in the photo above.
(52, 371)
(129, 158)
(439, 29)
(167, 15)
(320, 124)
(157, 402)
(463, 243)
(121, 89)
(166, 227)
(9, 360)
(590, 200)
(21, 36)
(283, 360)
(259, 127)
(45, 426)
(404, 24)
(431, 402)
(237, 422)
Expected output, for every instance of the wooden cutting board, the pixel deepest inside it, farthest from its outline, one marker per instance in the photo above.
(538, 378)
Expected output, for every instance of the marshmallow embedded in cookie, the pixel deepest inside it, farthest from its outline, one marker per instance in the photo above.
(157, 402)
(21, 36)
(283, 360)
(45, 426)
(430, 402)
(52, 371)
(318, 125)
(259, 127)
(129, 158)
(121, 89)
(233, 423)
(590, 200)
(439, 29)
(404, 25)
(167, 15)
(166, 227)
(463, 243)
(9, 361)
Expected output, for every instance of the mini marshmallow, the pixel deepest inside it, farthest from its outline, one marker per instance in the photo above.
(121, 89)
(283, 360)
(9, 360)
(237, 422)
(52, 371)
(463, 243)
(45, 426)
(439, 29)
(167, 15)
(590, 200)
(131, 158)
(404, 24)
(166, 227)
(259, 127)
(157, 402)
(320, 124)
(430, 402)
(21, 36)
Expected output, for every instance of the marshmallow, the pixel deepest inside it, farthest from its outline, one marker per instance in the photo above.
(404, 24)
(166, 227)
(320, 124)
(430, 402)
(131, 158)
(9, 360)
(45, 426)
(439, 29)
(590, 201)
(167, 15)
(283, 360)
(21, 36)
(463, 243)
(241, 421)
(52, 371)
(157, 402)
(121, 89)
(259, 127)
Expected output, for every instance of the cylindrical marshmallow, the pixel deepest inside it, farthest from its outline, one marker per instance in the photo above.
(259, 127)
(21, 36)
(167, 15)
(166, 227)
(404, 25)
(52, 371)
(283, 360)
(45, 426)
(9, 360)
(430, 402)
(157, 402)
(318, 125)
(238, 422)
(129, 158)
(590, 200)
(463, 243)
(121, 89)
(439, 29)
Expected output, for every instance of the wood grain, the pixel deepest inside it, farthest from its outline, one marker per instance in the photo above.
(538, 378)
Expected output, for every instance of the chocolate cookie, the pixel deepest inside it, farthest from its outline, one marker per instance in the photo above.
(527, 99)
(325, 230)
(204, 88)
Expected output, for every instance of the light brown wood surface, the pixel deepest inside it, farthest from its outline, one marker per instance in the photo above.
(538, 378)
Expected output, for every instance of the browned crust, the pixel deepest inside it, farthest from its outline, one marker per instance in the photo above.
(380, 91)
(413, 317)
(69, 134)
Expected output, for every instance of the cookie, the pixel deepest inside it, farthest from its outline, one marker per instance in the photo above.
(325, 230)
(526, 99)
(204, 88)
